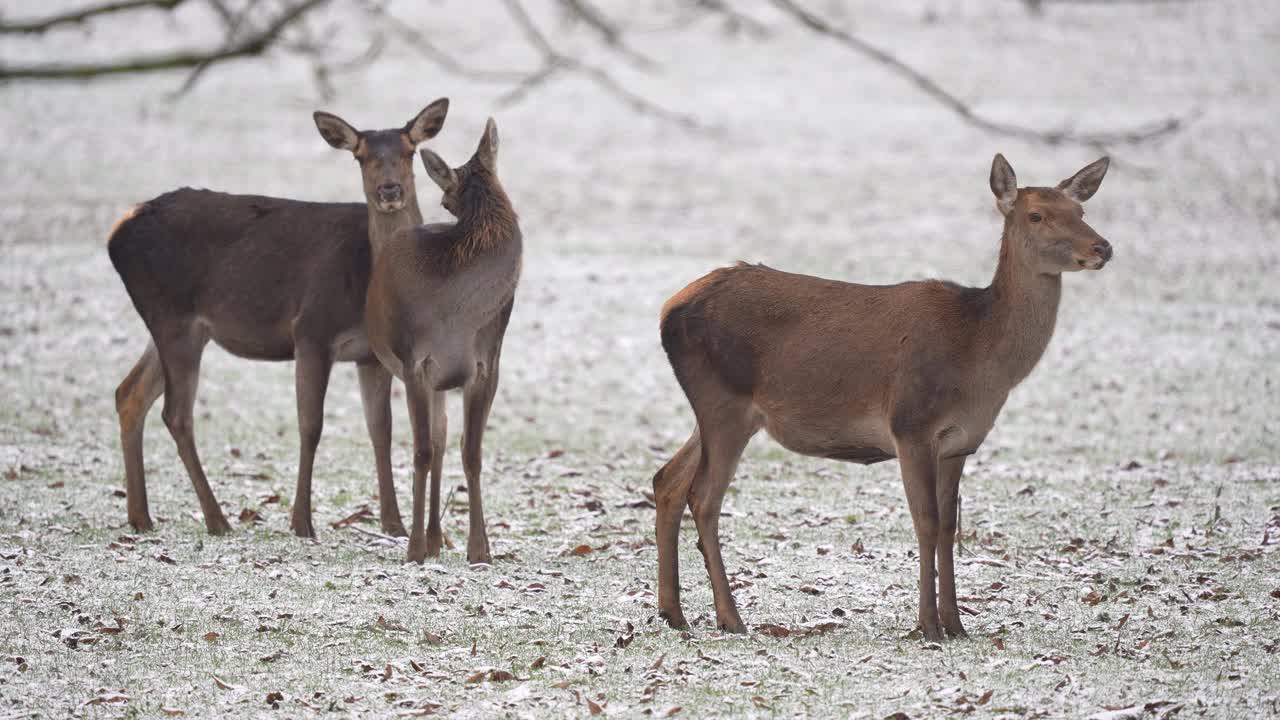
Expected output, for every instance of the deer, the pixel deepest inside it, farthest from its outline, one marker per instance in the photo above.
(438, 303)
(266, 279)
(916, 371)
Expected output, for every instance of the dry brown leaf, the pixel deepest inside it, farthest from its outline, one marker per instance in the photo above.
(658, 663)
(211, 636)
(773, 630)
(667, 711)
(593, 708)
(223, 684)
(501, 676)
(106, 698)
(581, 550)
(274, 698)
(539, 662)
(477, 677)
(986, 697)
(172, 712)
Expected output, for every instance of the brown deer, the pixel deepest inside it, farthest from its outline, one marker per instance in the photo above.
(916, 371)
(267, 279)
(439, 300)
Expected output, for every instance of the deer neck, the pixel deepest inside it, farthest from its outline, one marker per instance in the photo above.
(383, 225)
(1024, 310)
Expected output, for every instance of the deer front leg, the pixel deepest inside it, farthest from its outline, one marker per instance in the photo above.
(949, 472)
(375, 396)
(435, 535)
(919, 477)
(311, 379)
(419, 400)
(721, 449)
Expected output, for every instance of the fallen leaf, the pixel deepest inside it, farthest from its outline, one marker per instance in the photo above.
(593, 708)
(106, 698)
(986, 697)
(501, 676)
(274, 699)
(667, 711)
(539, 662)
(211, 636)
(658, 663)
(172, 712)
(224, 685)
(581, 550)
(772, 630)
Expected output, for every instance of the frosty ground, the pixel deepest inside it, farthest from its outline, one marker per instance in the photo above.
(1120, 522)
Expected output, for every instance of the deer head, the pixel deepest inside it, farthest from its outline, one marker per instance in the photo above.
(1046, 226)
(385, 156)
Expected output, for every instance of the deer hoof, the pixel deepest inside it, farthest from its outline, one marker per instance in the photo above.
(954, 628)
(142, 524)
(732, 625)
(217, 524)
(478, 552)
(674, 618)
(394, 528)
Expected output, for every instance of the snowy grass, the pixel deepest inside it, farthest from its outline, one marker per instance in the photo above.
(1120, 522)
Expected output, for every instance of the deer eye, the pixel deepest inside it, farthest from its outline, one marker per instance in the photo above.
(1035, 217)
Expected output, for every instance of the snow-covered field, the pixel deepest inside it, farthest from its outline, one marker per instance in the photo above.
(1121, 522)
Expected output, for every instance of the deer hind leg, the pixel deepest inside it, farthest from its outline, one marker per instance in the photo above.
(949, 472)
(724, 436)
(671, 487)
(137, 393)
(439, 431)
(375, 395)
(477, 401)
(311, 380)
(919, 477)
(180, 349)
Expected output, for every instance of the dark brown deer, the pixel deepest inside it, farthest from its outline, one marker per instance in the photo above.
(439, 300)
(916, 371)
(267, 279)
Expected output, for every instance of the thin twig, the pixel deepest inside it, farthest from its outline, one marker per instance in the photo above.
(554, 62)
(607, 30)
(79, 16)
(948, 100)
(249, 47)
(418, 41)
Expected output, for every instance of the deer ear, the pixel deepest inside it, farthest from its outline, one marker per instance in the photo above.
(1004, 184)
(438, 170)
(428, 122)
(487, 151)
(1084, 184)
(336, 131)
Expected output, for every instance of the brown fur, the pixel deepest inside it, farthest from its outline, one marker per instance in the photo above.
(865, 373)
(439, 300)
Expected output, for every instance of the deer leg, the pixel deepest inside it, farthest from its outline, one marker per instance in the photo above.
(949, 472)
(435, 536)
(180, 356)
(919, 476)
(134, 398)
(375, 395)
(477, 400)
(311, 379)
(721, 449)
(671, 487)
(419, 399)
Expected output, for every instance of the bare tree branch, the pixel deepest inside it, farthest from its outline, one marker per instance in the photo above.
(79, 16)
(957, 106)
(251, 46)
(608, 31)
(553, 62)
(421, 43)
(736, 19)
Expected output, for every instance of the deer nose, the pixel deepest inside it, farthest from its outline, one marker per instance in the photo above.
(1102, 249)
(390, 192)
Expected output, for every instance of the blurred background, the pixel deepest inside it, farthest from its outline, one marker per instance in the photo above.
(645, 143)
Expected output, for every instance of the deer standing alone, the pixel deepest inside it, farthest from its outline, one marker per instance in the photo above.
(267, 279)
(439, 299)
(916, 371)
